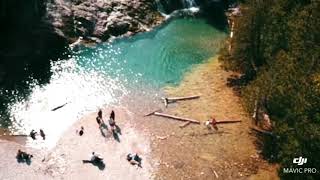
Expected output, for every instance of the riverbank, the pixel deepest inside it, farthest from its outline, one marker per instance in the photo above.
(194, 152)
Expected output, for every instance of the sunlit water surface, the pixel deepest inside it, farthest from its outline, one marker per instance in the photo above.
(105, 74)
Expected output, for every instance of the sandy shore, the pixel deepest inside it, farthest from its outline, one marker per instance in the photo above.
(168, 151)
(65, 160)
(195, 152)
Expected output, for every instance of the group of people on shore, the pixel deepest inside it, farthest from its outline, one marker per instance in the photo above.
(95, 158)
(211, 123)
(33, 134)
(112, 121)
(24, 156)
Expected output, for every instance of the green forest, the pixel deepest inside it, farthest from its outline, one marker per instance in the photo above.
(276, 50)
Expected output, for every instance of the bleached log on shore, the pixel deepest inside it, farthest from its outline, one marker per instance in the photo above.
(185, 124)
(227, 122)
(151, 113)
(182, 98)
(176, 117)
(167, 100)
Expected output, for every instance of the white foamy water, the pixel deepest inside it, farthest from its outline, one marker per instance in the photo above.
(78, 90)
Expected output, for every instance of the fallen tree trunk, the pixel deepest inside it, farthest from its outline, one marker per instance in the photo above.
(61, 106)
(15, 135)
(226, 122)
(185, 124)
(262, 131)
(182, 98)
(151, 113)
(176, 117)
(173, 99)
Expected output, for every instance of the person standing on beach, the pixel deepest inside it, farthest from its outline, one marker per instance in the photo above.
(42, 134)
(81, 131)
(33, 134)
(99, 117)
(213, 123)
(112, 121)
(112, 115)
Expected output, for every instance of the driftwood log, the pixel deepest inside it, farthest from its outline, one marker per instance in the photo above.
(185, 124)
(58, 107)
(15, 135)
(151, 113)
(226, 122)
(168, 100)
(176, 117)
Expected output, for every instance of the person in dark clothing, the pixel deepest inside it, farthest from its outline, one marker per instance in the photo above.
(134, 159)
(33, 134)
(81, 131)
(42, 134)
(112, 115)
(99, 117)
(213, 123)
(112, 122)
(23, 155)
(100, 113)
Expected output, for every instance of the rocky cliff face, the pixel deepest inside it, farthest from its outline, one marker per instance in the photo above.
(39, 30)
(100, 19)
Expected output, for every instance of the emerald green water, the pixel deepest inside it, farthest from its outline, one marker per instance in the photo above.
(158, 57)
(107, 73)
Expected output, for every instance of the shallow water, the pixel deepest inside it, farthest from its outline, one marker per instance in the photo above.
(102, 75)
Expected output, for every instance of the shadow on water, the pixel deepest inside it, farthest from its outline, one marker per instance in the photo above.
(27, 46)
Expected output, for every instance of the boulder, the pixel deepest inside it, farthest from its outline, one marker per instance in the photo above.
(117, 28)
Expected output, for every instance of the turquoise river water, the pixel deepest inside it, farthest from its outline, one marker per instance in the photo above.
(102, 75)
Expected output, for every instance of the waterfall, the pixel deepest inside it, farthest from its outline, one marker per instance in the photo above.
(160, 7)
(189, 3)
(177, 8)
(166, 7)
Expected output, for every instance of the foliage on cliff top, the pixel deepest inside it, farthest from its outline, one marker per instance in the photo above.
(276, 46)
